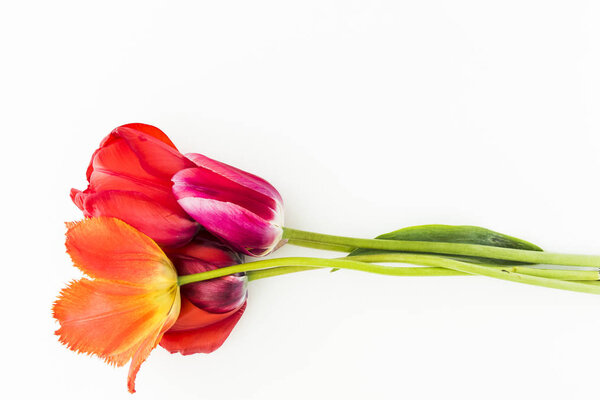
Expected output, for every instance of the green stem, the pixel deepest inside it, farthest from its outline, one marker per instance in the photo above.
(502, 253)
(566, 275)
(419, 259)
(294, 263)
(402, 271)
(560, 274)
(276, 271)
(321, 246)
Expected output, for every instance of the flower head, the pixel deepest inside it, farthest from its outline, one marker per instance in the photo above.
(132, 298)
(130, 178)
(240, 208)
(209, 309)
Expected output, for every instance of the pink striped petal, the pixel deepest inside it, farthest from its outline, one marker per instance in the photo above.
(242, 229)
(201, 182)
(233, 174)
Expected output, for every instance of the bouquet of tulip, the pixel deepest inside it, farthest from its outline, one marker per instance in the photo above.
(164, 238)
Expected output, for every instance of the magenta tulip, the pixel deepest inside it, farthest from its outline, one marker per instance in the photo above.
(240, 208)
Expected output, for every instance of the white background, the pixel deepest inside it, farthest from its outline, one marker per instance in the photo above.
(368, 116)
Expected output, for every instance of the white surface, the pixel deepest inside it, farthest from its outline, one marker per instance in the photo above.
(367, 116)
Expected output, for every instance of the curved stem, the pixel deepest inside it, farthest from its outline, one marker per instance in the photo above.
(427, 260)
(307, 262)
(502, 253)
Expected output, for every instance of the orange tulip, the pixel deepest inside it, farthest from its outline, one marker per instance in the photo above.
(132, 298)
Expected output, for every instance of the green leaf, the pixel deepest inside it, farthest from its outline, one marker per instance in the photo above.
(456, 234)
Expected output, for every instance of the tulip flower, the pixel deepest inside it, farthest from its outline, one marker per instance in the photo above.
(188, 295)
(132, 298)
(240, 208)
(210, 309)
(130, 178)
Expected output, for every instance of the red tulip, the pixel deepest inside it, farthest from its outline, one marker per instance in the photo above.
(130, 178)
(240, 208)
(209, 309)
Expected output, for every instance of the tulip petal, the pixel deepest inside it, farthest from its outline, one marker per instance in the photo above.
(204, 183)
(233, 174)
(132, 160)
(208, 249)
(108, 248)
(141, 354)
(78, 198)
(157, 159)
(152, 131)
(115, 166)
(192, 317)
(201, 340)
(220, 295)
(122, 314)
(166, 227)
(205, 253)
(234, 224)
(107, 319)
(149, 344)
